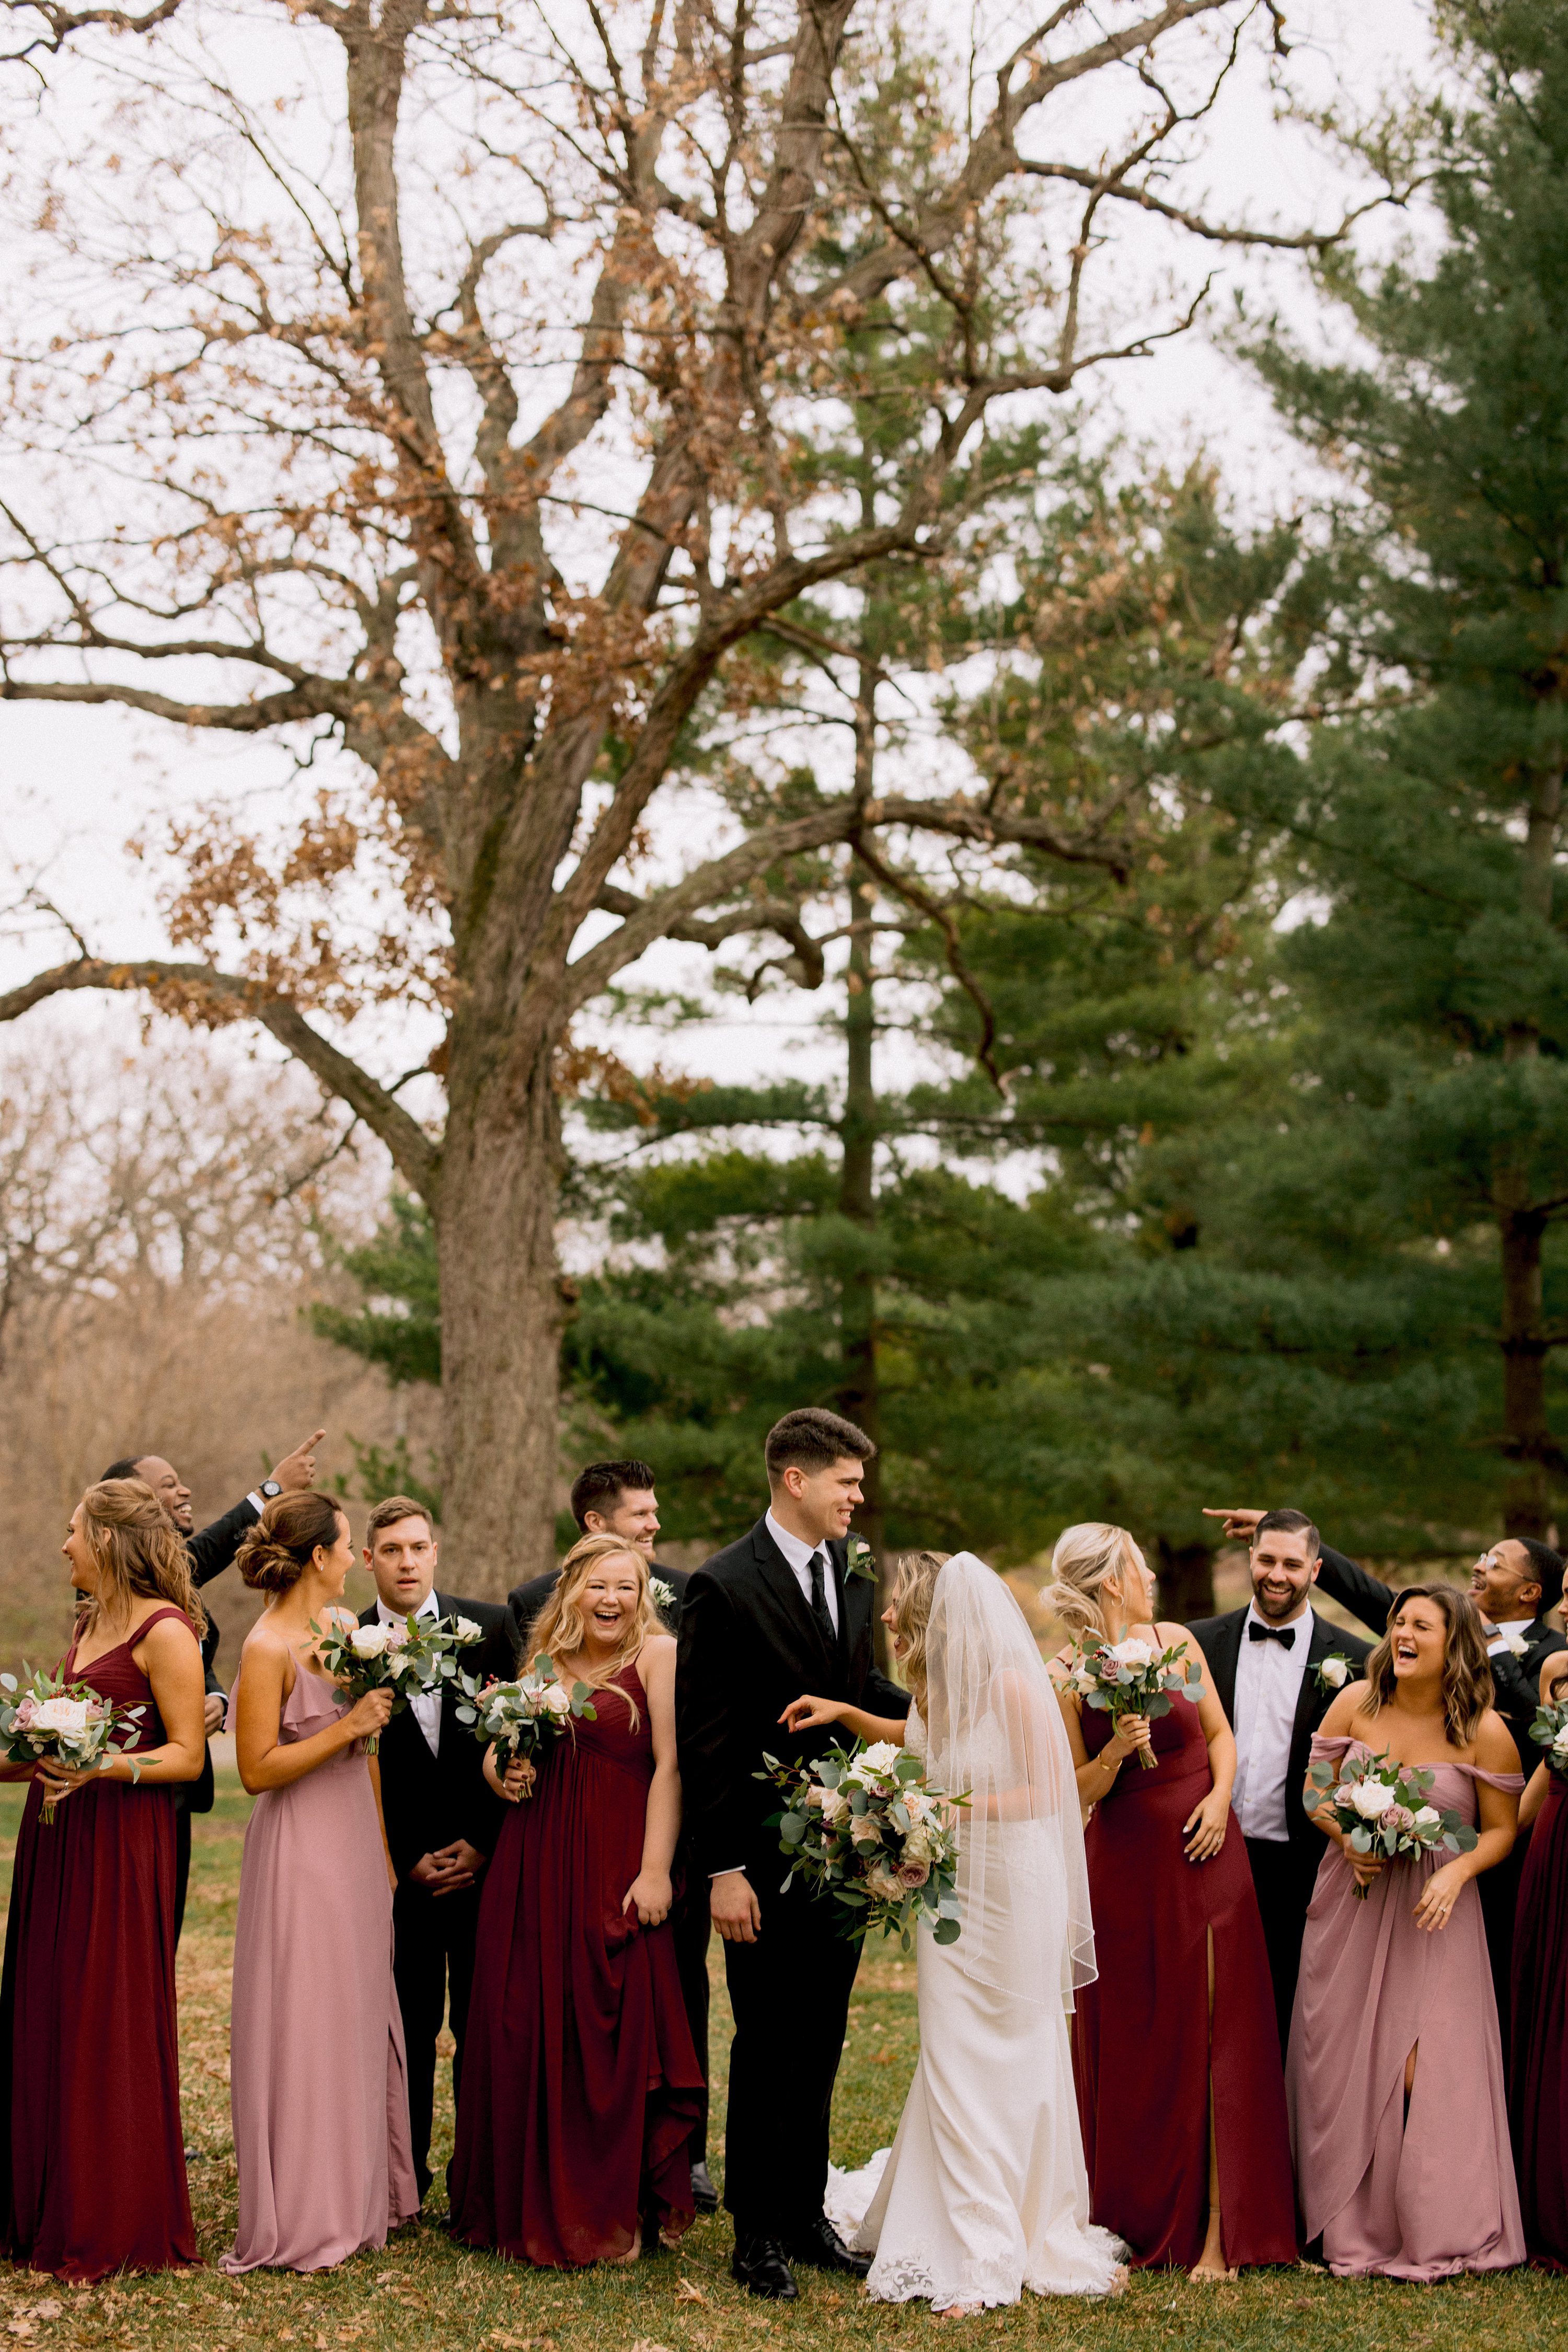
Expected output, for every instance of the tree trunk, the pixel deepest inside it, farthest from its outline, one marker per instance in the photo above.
(502, 1313)
(1185, 1576)
(859, 1395)
(1527, 1436)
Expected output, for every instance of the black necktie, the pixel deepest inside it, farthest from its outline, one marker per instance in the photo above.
(1285, 1634)
(819, 1609)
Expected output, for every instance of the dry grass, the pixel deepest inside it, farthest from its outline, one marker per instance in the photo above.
(422, 2291)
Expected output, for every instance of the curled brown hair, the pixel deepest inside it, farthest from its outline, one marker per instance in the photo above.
(138, 1552)
(914, 1589)
(276, 1551)
(1466, 1677)
(562, 1629)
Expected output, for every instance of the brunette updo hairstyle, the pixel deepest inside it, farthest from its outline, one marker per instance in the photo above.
(276, 1551)
(138, 1552)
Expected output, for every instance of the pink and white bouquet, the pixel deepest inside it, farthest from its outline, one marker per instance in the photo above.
(866, 1827)
(1131, 1677)
(1380, 1807)
(410, 1657)
(46, 1717)
(1550, 1733)
(522, 1715)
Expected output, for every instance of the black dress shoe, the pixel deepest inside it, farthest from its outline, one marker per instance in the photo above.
(704, 2196)
(821, 2246)
(759, 2264)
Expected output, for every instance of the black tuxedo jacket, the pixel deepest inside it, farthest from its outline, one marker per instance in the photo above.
(1516, 1682)
(526, 1601)
(1220, 1640)
(749, 1644)
(429, 1801)
(210, 1550)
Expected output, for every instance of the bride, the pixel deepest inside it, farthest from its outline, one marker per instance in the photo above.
(984, 2190)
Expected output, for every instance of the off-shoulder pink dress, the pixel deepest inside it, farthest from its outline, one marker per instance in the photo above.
(1417, 2196)
(318, 2084)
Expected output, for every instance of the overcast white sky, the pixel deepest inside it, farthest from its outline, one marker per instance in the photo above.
(76, 785)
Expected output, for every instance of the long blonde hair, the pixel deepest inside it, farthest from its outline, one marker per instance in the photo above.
(562, 1630)
(1085, 1556)
(914, 1589)
(139, 1554)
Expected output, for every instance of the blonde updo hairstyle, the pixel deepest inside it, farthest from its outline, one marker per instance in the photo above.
(138, 1552)
(279, 1548)
(562, 1630)
(1085, 1558)
(914, 1589)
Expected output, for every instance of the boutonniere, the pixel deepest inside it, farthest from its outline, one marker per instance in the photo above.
(663, 1593)
(1514, 1644)
(1332, 1673)
(860, 1562)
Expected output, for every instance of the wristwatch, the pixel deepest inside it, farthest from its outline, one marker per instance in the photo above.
(268, 1487)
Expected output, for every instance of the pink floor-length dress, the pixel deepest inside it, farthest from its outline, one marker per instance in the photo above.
(317, 2081)
(1427, 2195)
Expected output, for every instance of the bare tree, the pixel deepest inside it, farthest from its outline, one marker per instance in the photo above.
(479, 446)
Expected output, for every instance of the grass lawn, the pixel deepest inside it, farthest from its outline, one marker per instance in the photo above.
(422, 2292)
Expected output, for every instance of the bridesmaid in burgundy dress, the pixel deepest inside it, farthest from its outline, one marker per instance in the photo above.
(93, 2152)
(1176, 2049)
(1538, 2072)
(581, 2086)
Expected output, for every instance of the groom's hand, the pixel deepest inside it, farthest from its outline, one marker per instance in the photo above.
(737, 1913)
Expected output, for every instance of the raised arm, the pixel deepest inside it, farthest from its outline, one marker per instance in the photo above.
(816, 1714)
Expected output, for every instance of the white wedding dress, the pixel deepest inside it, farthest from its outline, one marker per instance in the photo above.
(984, 2190)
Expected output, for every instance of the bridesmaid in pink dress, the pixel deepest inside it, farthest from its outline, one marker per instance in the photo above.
(321, 2112)
(1398, 2111)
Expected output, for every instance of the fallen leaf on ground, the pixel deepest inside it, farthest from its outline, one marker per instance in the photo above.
(686, 2292)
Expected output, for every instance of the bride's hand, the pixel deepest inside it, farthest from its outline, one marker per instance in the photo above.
(810, 1714)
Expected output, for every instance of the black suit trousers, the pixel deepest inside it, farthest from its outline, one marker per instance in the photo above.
(790, 1994)
(433, 1966)
(692, 1928)
(1498, 1891)
(1283, 1876)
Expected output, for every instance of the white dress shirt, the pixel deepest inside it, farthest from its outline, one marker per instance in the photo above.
(799, 1556)
(1267, 1686)
(426, 1705)
(1498, 1643)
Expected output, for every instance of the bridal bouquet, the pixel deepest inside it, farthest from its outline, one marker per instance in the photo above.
(866, 1827)
(521, 1716)
(409, 1657)
(1129, 1677)
(1550, 1731)
(46, 1717)
(1382, 1808)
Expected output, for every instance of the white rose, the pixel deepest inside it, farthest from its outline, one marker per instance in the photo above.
(916, 1805)
(467, 1631)
(64, 1715)
(1335, 1673)
(555, 1698)
(1132, 1653)
(1371, 1798)
(834, 1805)
(1428, 1818)
(880, 1757)
(1560, 1745)
(371, 1641)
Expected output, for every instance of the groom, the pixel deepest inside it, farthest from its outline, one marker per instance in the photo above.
(779, 1613)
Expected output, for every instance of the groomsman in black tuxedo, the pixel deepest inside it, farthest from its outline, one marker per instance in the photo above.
(441, 1819)
(776, 1614)
(617, 1499)
(1514, 1584)
(210, 1550)
(1271, 1671)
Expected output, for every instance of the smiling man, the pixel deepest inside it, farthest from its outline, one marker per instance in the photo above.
(1266, 1661)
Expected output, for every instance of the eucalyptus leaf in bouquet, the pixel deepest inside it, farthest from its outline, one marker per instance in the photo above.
(44, 1716)
(1380, 1807)
(864, 1826)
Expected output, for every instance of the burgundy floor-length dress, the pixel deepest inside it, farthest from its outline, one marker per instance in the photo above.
(94, 2150)
(1538, 2076)
(1424, 2194)
(1141, 2040)
(580, 2085)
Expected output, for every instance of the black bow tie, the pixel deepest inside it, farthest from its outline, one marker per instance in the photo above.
(1284, 1634)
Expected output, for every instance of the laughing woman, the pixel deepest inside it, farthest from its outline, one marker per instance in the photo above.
(1396, 2078)
(580, 2082)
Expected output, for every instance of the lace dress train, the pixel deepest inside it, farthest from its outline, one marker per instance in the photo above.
(984, 2190)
